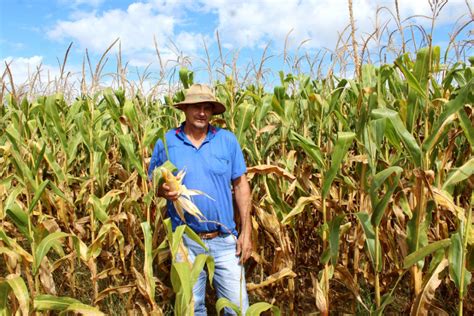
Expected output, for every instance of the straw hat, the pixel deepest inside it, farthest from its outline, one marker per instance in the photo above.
(199, 93)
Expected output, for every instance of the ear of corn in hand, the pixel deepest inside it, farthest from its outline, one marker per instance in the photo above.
(184, 201)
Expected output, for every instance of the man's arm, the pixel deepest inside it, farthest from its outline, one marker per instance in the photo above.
(243, 199)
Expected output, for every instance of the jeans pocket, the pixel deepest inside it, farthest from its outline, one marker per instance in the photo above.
(229, 239)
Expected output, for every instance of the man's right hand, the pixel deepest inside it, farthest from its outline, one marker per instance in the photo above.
(164, 191)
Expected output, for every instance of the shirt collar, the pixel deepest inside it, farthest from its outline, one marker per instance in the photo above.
(211, 132)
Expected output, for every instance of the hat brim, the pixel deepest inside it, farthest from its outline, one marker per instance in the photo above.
(217, 107)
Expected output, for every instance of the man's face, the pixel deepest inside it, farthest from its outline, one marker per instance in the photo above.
(198, 115)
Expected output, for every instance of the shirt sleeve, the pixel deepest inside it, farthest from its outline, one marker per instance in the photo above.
(157, 158)
(238, 161)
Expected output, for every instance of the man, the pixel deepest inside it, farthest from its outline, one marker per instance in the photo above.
(214, 163)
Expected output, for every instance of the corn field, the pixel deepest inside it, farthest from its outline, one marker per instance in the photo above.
(362, 194)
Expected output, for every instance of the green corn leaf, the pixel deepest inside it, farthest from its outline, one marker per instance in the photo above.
(456, 263)
(198, 265)
(299, 207)
(421, 253)
(131, 113)
(413, 83)
(127, 144)
(460, 174)
(224, 302)
(44, 247)
(211, 267)
(20, 290)
(364, 219)
(185, 76)
(82, 309)
(19, 218)
(46, 302)
(407, 139)
(344, 141)
(243, 118)
(52, 111)
(181, 280)
(4, 290)
(467, 126)
(452, 107)
(195, 237)
(379, 179)
(176, 239)
(260, 307)
(148, 264)
(39, 191)
(309, 148)
(111, 230)
(334, 226)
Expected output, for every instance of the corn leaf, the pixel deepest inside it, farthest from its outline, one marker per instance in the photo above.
(421, 306)
(310, 149)
(299, 207)
(223, 303)
(198, 265)
(37, 195)
(364, 219)
(334, 226)
(421, 253)
(344, 141)
(260, 307)
(458, 272)
(406, 137)
(460, 174)
(467, 126)
(243, 118)
(181, 280)
(148, 264)
(82, 309)
(4, 291)
(20, 290)
(44, 247)
(453, 106)
(379, 206)
(46, 302)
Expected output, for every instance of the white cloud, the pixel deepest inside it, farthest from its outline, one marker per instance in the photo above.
(22, 68)
(249, 24)
(135, 27)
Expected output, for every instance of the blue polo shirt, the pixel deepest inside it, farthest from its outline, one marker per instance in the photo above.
(211, 168)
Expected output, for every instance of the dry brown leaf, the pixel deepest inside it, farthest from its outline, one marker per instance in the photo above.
(319, 296)
(117, 289)
(266, 129)
(422, 303)
(285, 272)
(46, 277)
(267, 169)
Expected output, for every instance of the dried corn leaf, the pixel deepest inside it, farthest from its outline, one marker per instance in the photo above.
(271, 169)
(285, 272)
(319, 296)
(422, 303)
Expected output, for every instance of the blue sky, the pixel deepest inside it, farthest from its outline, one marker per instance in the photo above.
(38, 32)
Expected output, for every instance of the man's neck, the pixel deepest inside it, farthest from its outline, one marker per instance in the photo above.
(195, 135)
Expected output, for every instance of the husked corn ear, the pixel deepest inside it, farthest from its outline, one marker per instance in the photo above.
(184, 201)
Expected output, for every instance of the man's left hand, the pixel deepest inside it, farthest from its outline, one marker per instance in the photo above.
(244, 247)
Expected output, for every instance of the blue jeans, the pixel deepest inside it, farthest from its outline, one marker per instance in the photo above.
(229, 276)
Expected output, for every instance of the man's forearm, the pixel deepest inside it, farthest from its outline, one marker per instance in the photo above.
(243, 200)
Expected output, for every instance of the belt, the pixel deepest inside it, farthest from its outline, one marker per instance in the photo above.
(209, 235)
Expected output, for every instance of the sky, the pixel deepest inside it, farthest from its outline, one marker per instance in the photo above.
(38, 32)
